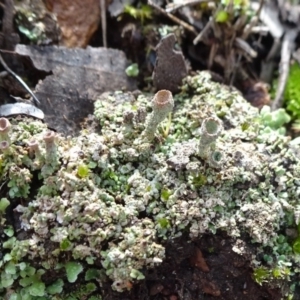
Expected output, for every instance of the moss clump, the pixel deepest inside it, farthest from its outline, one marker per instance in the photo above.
(109, 221)
(292, 94)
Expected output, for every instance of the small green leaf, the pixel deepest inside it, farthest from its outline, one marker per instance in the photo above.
(245, 126)
(56, 287)
(15, 297)
(296, 246)
(37, 289)
(6, 280)
(73, 269)
(132, 70)
(3, 204)
(9, 244)
(90, 260)
(65, 245)
(9, 231)
(83, 171)
(7, 257)
(221, 16)
(91, 287)
(165, 194)
(91, 274)
(136, 274)
(164, 223)
(92, 165)
(26, 281)
(10, 268)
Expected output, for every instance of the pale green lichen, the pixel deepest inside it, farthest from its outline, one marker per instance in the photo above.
(162, 105)
(105, 203)
(210, 130)
(4, 129)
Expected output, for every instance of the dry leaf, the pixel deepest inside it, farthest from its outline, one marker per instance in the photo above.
(79, 76)
(78, 20)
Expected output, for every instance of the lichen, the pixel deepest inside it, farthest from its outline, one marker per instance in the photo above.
(101, 205)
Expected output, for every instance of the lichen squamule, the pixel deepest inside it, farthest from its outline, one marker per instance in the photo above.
(106, 208)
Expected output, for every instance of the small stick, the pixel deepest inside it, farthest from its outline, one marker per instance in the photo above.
(103, 22)
(173, 18)
(199, 37)
(243, 45)
(7, 22)
(25, 86)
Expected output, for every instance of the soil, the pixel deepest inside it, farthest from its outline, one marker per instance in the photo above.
(223, 274)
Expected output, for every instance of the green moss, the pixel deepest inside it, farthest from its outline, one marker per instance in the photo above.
(296, 246)
(261, 275)
(164, 223)
(65, 245)
(165, 194)
(83, 171)
(199, 180)
(142, 13)
(292, 93)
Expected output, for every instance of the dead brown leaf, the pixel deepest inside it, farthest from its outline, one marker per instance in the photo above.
(78, 20)
(197, 260)
(79, 76)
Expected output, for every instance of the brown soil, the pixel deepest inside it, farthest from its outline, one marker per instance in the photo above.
(219, 273)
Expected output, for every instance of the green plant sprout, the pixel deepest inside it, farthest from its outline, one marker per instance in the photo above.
(132, 70)
(142, 13)
(292, 95)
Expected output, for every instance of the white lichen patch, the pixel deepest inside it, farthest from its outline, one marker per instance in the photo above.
(110, 198)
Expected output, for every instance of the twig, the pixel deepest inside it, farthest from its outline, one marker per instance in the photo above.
(253, 22)
(261, 4)
(274, 49)
(262, 30)
(286, 51)
(103, 22)
(248, 28)
(7, 22)
(25, 86)
(199, 37)
(212, 54)
(173, 18)
(243, 45)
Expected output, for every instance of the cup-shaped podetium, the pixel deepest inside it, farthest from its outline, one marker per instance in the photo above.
(34, 148)
(4, 147)
(51, 148)
(162, 105)
(210, 130)
(5, 127)
(215, 159)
